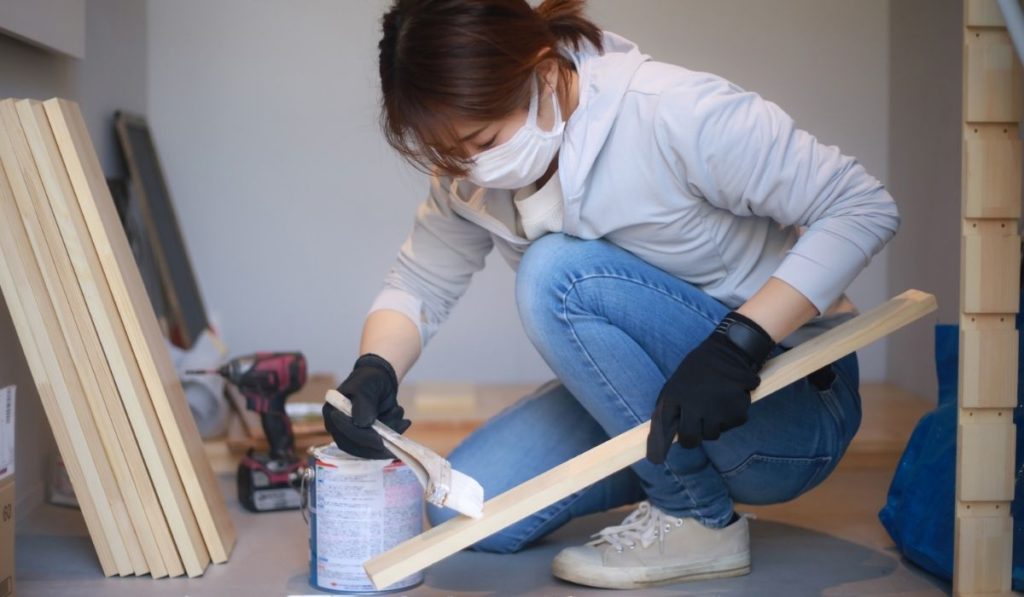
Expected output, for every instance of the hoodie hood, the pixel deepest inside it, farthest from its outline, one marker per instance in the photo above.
(604, 78)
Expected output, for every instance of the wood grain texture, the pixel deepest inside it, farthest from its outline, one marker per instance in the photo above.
(992, 88)
(161, 493)
(36, 323)
(625, 449)
(983, 13)
(989, 181)
(985, 557)
(990, 280)
(988, 362)
(143, 330)
(986, 459)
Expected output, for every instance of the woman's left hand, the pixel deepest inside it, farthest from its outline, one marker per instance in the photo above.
(710, 390)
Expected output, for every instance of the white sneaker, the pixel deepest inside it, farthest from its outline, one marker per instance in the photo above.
(652, 548)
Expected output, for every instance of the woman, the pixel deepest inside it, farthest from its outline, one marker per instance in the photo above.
(654, 216)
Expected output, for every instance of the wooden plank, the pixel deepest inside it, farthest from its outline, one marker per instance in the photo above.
(992, 88)
(991, 177)
(13, 278)
(36, 322)
(990, 282)
(985, 557)
(143, 330)
(80, 337)
(843, 340)
(74, 359)
(988, 365)
(625, 449)
(986, 459)
(983, 13)
(163, 496)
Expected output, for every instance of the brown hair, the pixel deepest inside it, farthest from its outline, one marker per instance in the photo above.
(442, 60)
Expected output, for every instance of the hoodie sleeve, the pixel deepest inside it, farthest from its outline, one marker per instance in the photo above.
(435, 264)
(745, 155)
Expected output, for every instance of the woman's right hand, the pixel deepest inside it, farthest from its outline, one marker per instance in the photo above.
(372, 387)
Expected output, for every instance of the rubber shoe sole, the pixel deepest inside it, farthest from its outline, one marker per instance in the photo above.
(639, 577)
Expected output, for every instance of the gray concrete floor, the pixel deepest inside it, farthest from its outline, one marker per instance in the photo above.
(828, 542)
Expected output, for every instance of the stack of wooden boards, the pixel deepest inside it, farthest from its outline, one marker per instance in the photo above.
(148, 495)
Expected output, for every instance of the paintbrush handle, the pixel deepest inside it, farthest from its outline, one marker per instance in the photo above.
(432, 470)
(417, 450)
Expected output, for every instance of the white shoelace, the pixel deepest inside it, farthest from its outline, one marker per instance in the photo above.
(643, 525)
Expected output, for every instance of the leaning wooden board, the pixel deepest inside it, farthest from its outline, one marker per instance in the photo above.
(36, 324)
(162, 494)
(621, 451)
(143, 331)
(80, 337)
(187, 311)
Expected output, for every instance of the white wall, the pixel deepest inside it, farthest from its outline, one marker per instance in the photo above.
(111, 76)
(924, 147)
(293, 207)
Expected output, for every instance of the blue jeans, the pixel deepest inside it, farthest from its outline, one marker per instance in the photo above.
(613, 328)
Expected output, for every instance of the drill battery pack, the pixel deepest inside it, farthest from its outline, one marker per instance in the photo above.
(266, 485)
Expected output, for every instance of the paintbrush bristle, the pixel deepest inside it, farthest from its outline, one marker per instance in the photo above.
(466, 495)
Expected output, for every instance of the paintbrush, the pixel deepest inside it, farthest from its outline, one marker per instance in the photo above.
(443, 486)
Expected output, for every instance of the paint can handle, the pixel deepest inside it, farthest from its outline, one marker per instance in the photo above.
(307, 476)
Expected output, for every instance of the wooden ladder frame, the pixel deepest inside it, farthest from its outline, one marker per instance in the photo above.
(989, 300)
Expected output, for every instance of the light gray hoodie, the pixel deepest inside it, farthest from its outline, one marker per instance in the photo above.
(683, 169)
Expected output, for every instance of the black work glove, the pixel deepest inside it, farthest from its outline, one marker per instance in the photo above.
(372, 387)
(710, 390)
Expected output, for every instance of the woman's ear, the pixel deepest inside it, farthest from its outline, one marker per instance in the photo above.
(548, 71)
(547, 66)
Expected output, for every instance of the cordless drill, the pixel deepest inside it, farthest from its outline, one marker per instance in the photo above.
(268, 481)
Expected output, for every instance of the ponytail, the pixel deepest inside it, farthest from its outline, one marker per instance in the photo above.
(567, 23)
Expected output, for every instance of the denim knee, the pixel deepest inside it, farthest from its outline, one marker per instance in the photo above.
(544, 273)
(501, 542)
(543, 261)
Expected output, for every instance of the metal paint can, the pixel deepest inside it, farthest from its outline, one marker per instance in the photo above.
(358, 509)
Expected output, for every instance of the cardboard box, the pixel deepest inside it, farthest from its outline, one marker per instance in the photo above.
(7, 537)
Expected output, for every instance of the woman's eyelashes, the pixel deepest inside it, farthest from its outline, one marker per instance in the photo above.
(488, 144)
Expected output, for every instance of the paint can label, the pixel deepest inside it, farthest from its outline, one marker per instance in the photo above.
(358, 509)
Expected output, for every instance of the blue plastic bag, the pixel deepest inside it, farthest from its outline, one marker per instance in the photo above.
(919, 511)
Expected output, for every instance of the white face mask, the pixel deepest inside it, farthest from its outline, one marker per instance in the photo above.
(525, 157)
